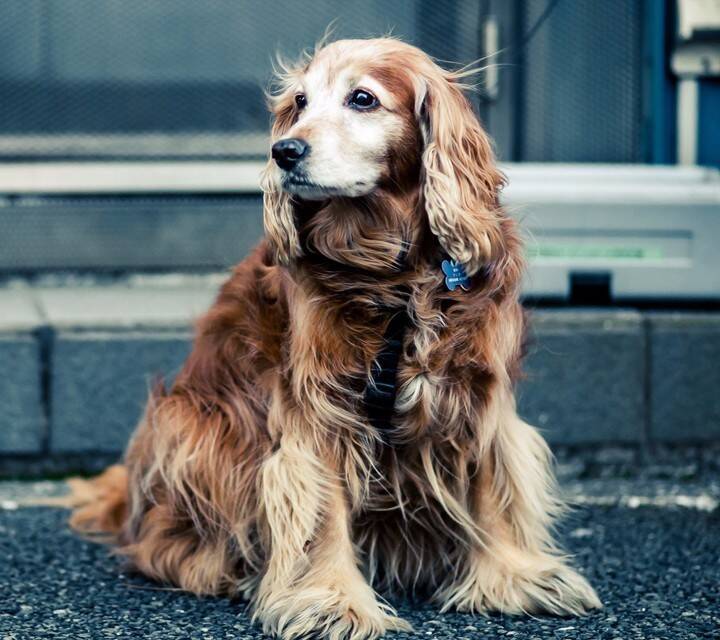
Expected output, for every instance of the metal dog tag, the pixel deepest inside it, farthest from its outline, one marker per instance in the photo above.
(455, 275)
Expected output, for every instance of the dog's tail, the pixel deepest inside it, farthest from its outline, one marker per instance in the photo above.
(100, 504)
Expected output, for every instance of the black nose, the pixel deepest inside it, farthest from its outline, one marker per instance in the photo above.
(288, 152)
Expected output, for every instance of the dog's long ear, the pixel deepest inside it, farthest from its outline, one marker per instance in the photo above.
(278, 211)
(461, 181)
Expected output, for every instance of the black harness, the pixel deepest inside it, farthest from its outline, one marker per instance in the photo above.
(382, 385)
(381, 388)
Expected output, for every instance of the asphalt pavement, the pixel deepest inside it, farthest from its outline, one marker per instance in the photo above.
(653, 556)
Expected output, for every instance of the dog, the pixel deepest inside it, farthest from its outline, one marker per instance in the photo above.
(345, 424)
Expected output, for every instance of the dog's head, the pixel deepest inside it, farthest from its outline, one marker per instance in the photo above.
(363, 118)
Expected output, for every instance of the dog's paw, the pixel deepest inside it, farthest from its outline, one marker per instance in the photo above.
(328, 613)
(542, 585)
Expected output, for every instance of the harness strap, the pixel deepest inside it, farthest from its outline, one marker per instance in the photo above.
(381, 389)
(382, 385)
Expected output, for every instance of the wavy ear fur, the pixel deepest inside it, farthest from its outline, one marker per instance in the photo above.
(461, 181)
(278, 210)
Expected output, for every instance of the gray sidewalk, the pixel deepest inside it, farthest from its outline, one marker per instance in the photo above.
(649, 548)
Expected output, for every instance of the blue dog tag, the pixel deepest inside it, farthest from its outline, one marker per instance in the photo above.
(455, 275)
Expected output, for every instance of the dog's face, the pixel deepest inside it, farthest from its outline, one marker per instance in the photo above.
(379, 118)
(352, 121)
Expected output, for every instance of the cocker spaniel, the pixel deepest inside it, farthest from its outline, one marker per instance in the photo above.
(345, 422)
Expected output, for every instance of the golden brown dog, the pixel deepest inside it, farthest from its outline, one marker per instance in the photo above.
(261, 472)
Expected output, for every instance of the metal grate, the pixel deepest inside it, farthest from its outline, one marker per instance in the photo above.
(581, 93)
(166, 78)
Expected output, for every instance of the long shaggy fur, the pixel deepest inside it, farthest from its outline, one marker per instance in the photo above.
(258, 473)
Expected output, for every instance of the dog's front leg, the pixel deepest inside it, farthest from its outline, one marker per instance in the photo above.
(312, 584)
(518, 568)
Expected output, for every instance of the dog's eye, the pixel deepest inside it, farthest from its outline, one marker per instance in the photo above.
(361, 99)
(301, 101)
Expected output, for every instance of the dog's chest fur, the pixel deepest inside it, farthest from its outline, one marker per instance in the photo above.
(435, 394)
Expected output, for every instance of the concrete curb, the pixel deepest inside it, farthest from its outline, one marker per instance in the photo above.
(81, 360)
(584, 376)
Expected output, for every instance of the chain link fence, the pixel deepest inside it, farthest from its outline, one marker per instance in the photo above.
(181, 78)
(165, 78)
(581, 95)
